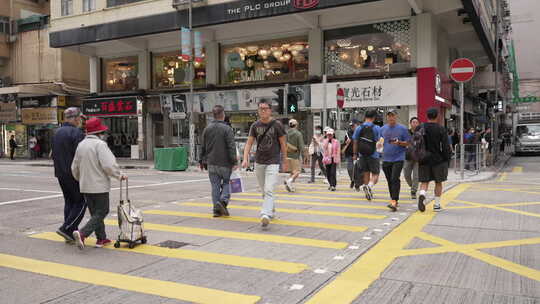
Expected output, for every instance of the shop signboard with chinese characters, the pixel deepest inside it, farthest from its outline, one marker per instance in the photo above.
(38, 116)
(8, 112)
(247, 100)
(117, 106)
(368, 93)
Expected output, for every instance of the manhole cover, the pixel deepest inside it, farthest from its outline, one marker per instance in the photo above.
(172, 244)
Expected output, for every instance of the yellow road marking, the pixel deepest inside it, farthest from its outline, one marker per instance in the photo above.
(368, 268)
(159, 288)
(195, 255)
(356, 206)
(241, 235)
(487, 258)
(257, 220)
(503, 177)
(475, 246)
(297, 211)
(341, 193)
(517, 170)
(499, 208)
(503, 189)
(496, 205)
(330, 198)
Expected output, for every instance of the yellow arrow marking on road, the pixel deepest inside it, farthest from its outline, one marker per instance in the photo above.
(257, 220)
(300, 211)
(195, 255)
(159, 288)
(241, 235)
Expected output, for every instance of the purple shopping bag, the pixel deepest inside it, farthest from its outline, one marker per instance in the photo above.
(236, 182)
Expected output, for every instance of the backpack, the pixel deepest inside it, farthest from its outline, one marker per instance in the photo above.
(417, 148)
(366, 141)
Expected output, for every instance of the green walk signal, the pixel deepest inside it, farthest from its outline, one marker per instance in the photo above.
(292, 103)
(292, 109)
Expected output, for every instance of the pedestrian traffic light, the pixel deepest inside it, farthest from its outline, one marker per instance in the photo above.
(279, 99)
(292, 103)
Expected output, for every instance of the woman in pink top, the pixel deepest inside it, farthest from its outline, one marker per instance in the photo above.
(331, 157)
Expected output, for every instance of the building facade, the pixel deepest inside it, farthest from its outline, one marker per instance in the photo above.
(37, 82)
(377, 53)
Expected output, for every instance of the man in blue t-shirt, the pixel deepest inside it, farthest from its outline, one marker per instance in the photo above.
(396, 139)
(367, 169)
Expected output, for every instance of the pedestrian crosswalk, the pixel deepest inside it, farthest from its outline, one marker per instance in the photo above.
(311, 218)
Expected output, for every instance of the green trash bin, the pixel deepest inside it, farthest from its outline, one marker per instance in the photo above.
(170, 159)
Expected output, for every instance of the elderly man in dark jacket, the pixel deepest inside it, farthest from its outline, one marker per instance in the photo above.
(218, 154)
(65, 142)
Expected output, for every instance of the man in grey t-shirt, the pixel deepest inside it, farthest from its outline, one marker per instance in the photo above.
(271, 150)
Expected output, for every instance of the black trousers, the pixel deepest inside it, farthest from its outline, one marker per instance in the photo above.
(74, 204)
(317, 157)
(98, 205)
(392, 171)
(11, 153)
(331, 174)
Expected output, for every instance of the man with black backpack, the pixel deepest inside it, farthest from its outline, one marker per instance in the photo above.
(365, 139)
(271, 142)
(432, 151)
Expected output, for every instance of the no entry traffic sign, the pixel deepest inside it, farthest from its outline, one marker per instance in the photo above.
(340, 97)
(462, 70)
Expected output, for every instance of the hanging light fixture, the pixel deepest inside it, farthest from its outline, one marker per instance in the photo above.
(344, 42)
(264, 53)
(277, 54)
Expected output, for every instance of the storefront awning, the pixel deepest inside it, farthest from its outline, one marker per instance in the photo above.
(32, 90)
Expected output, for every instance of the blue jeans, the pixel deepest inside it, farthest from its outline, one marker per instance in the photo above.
(267, 176)
(221, 189)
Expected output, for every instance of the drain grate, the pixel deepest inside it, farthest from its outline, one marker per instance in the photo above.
(172, 244)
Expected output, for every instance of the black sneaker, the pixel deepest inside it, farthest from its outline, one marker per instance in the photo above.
(352, 185)
(421, 205)
(311, 182)
(371, 196)
(392, 207)
(68, 238)
(413, 195)
(222, 209)
(357, 188)
(217, 214)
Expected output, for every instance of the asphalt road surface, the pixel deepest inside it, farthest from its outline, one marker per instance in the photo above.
(324, 247)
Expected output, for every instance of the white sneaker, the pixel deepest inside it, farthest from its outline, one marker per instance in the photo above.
(325, 181)
(288, 185)
(265, 220)
(437, 208)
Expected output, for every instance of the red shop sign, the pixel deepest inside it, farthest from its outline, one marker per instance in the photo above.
(110, 106)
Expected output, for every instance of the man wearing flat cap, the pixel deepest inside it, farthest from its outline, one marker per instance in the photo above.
(65, 142)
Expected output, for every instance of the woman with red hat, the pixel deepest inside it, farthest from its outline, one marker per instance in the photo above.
(93, 166)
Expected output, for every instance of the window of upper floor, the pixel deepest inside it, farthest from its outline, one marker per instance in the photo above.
(4, 25)
(67, 7)
(111, 3)
(89, 5)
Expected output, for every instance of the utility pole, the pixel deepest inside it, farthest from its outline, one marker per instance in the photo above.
(496, 95)
(190, 96)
